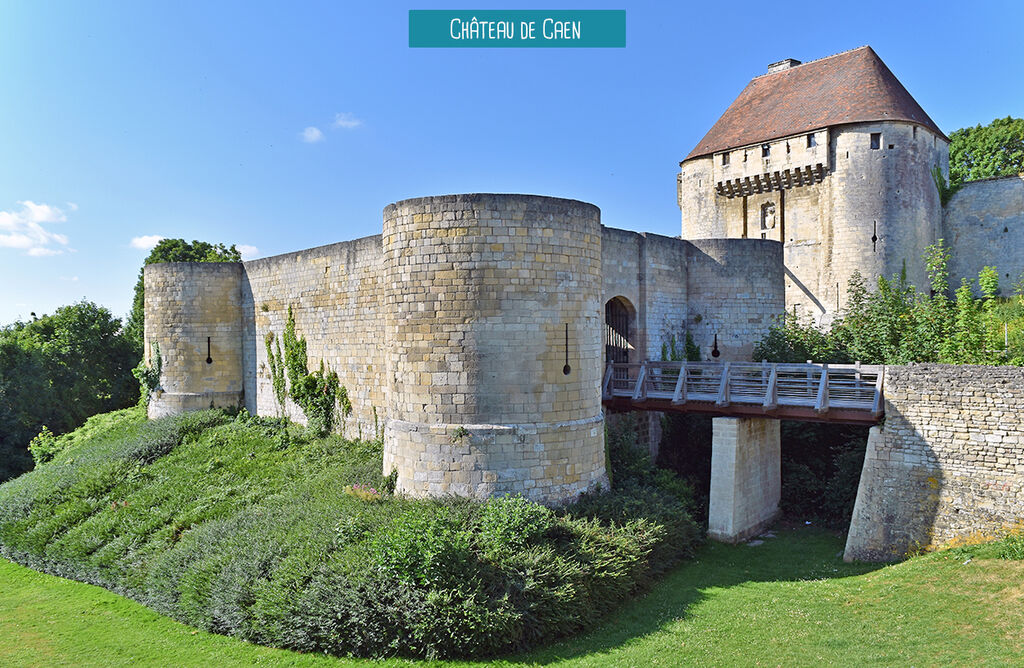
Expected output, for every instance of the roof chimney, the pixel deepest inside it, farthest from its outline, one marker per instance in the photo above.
(783, 65)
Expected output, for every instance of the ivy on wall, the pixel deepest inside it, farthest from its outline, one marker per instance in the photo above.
(148, 374)
(319, 393)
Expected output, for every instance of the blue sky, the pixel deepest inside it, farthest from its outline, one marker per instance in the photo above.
(125, 121)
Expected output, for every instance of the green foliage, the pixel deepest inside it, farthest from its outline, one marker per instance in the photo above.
(43, 447)
(226, 525)
(1012, 546)
(896, 324)
(982, 152)
(670, 352)
(171, 250)
(58, 370)
(148, 373)
(277, 373)
(946, 190)
(319, 393)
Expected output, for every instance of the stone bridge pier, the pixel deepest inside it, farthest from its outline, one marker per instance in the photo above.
(746, 479)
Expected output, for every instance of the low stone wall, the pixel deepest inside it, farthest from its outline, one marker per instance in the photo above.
(948, 462)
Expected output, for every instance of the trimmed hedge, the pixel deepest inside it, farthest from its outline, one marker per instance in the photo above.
(243, 526)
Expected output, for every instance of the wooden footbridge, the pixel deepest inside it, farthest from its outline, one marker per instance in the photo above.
(847, 393)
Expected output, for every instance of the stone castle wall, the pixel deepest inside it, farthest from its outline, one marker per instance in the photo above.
(983, 224)
(336, 294)
(736, 291)
(451, 332)
(194, 317)
(947, 463)
(649, 272)
(494, 346)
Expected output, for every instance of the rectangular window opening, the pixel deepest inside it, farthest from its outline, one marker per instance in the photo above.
(811, 141)
(876, 140)
(892, 146)
(725, 159)
(766, 150)
(915, 132)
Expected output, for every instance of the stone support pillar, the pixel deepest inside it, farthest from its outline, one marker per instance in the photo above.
(746, 477)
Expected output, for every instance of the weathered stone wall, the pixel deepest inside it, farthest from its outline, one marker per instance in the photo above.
(735, 289)
(948, 461)
(983, 224)
(483, 288)
(194, 315)
(336, 294)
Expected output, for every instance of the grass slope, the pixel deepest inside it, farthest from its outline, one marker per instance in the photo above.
(247, 527)
(790, 601)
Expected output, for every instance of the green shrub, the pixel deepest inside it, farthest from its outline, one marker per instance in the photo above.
(1013, 546)
(44, 446)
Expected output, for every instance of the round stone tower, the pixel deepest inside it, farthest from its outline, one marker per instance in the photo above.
(194, 318)
(493, 325)
(885, 203)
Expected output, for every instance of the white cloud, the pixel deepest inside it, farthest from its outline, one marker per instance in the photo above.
(146, 242)
(312, 135)
(346, 120)
(23, 229)
(248, 252)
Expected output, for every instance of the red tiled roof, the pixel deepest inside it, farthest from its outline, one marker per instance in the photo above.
(850, 87)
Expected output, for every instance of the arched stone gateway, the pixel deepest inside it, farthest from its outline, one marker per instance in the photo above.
(619, 330)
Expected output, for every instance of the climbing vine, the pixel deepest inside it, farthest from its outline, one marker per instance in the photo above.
(276, 366)
(319, 393)
(148, 375)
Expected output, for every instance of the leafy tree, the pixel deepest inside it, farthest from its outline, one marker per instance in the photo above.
(981, 152)
(172, 250)
(60, 369)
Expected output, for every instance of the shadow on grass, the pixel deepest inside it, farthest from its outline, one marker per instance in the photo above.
(795, 554)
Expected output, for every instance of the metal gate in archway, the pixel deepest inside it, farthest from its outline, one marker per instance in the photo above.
(616, 332)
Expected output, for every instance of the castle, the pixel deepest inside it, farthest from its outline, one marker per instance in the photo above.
(837, 161)
(474, 331)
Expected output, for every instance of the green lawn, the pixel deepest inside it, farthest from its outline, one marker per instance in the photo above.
(790, 601)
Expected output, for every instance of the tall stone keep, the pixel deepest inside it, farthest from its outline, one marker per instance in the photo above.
(493, 322)
(194, 317)
(833, 158)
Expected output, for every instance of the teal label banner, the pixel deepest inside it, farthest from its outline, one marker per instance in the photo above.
(459, 28)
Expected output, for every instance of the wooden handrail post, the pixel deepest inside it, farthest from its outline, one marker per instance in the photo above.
(821, 404)
(723, 387)
(679, 396)
(771, 395)
(639, 393)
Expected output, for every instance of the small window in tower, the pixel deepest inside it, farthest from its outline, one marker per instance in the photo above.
(915, 132)
(725, 159)
(744, 156)
(811, 141)
(876, 140)
(766, 150)
(787, 147)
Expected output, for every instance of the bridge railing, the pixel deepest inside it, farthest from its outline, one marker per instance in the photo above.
(822, 387)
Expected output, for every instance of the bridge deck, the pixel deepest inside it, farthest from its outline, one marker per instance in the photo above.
(848, 393)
